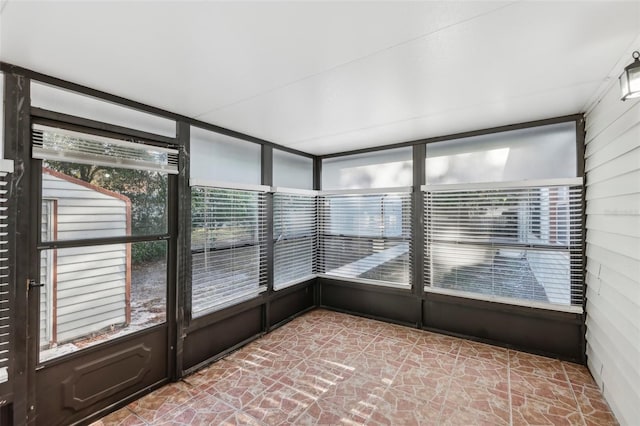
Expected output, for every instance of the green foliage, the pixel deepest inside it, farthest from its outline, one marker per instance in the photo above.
(147, 192)
(223, 216)
(150, 251)
(84, 172)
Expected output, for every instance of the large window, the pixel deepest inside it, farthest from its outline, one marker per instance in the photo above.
(364, 217)
(294, 236)
(503, 218)
(228, 247)
(366, 236)
(228, 221)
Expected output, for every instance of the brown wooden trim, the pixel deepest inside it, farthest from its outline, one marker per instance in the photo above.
(87, 185)
(54, 278)
(127, 291)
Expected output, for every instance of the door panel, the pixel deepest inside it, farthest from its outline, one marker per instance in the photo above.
(98, 302)
(95, 378)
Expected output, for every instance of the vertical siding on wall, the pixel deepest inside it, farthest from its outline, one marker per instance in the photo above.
(613, 252)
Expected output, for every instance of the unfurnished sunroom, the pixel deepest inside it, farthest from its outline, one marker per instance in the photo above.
(320, 213)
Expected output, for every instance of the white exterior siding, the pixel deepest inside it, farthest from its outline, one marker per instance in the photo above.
(46, 274)
(91, 290)
(613, 252)
(83, 212)
(91, 282)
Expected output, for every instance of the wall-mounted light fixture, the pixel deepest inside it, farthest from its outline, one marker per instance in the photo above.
(630, 79)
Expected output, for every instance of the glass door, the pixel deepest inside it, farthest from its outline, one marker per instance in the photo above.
(102, 283)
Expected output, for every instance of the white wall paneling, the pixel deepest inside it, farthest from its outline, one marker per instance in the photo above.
(613, 251)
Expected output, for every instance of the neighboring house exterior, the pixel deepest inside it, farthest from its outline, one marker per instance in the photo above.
(86, 289)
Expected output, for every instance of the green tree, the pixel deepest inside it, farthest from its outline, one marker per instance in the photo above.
(147, 192)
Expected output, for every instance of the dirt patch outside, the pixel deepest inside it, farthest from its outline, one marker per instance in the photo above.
(148, 308)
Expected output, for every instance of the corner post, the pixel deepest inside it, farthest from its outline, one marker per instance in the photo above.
(417, 228)
(267, 179)
(182, 289)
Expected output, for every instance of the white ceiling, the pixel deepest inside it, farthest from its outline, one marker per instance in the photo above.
(332, 76)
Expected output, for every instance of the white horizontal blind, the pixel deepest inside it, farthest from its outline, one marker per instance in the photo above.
(295, 242)
(512, 242)
(51, 143)
(5, 313)
(366, 236)
(228, 247)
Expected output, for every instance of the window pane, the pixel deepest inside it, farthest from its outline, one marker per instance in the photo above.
(545, 152)
(228, 252)
(536, 275)
(294, 233)
(220, 158)
(366, 215)
(292, 171)
(1, 115)
(537, 215)
(522, 243)
(366, 236)
(73, 103)
(98, 293)
(380, 169)
(85, 201)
